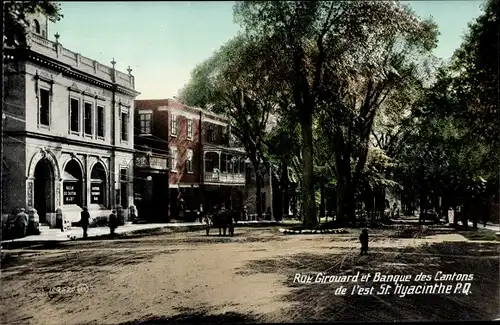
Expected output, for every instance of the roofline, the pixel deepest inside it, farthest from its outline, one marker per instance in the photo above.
(204, 111)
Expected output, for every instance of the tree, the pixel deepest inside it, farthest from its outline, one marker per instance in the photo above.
(317, 44)
(475, 72)
(234, 83)
(16, 22)
(441, 156)
(284, 147)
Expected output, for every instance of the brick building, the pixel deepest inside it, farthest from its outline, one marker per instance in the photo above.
(67, 132)
(190, 147)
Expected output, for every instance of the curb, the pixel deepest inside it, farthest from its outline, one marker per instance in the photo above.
(138, 232)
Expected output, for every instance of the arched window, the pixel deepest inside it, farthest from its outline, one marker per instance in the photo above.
(36, 26)
(72, 184)
(98, 184)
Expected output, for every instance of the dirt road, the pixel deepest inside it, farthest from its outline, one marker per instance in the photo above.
(246, 278)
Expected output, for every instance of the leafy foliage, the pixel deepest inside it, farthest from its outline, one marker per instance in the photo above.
(16, 18)
(235, 82)
(476, 74)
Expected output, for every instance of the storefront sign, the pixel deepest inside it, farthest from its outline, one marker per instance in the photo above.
(96, 195)
(158, 163)
(70, 193)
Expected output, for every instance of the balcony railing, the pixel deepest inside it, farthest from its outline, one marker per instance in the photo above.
(77, 61)
(224, 178)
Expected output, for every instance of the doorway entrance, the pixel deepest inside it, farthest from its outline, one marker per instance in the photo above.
(44, 189)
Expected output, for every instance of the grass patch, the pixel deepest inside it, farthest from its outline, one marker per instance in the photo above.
(488, 235)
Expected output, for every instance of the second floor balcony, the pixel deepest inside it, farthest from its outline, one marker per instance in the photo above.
(224, 166)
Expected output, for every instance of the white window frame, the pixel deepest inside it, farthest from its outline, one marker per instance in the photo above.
(189, 129)
(71, 131)
(126, 125)
(150, 123)
(173, 157)
(103, 136)
(39, 98)
(91, 134)
(173, 125)
(189, 161)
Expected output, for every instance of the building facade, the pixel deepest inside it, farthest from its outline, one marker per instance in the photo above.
(192, 147)
(68, 139)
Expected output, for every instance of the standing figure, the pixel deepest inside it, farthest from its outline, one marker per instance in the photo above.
(200, 213)
(363, 238)
(245, 213)
(21, 223)
(112, 223)
(84, 221)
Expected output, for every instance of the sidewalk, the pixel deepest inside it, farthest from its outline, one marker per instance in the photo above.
(56, 235)
(489, 226)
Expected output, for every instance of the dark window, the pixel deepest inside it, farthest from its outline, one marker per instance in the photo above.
(75, 115)
(98, 181)
(100, 121)
(88, 118)
(242, 166)
(36, 26)
(145, 121)
(210, 134)
(124, 129)
(248, 175)
(123, 175)
(44, 107)
(190, 129)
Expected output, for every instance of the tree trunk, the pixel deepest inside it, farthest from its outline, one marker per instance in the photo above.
(309, 205)
(258, 178)
(340, 191)
(345, 202)
(284, 190)
(322, 203)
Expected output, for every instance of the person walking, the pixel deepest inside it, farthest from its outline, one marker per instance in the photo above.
(84, 221)
(112, 223)
(363, 238)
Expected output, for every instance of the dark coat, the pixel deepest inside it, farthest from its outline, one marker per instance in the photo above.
(21, 220)
(363, 238)
(84, 218)
(113, 221)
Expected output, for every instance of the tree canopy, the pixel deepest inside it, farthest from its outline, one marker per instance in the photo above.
(16, 18)
(360, 100)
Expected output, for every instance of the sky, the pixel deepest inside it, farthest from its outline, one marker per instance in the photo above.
(163, 41)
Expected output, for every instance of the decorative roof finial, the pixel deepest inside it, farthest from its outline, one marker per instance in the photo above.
(129, 70)
(113, 63)
(57, 37)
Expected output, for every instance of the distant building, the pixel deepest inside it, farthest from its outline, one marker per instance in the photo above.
(68, 138)
(192, 146)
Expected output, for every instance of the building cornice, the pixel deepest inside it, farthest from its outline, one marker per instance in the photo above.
(67, 141)
(68, 70)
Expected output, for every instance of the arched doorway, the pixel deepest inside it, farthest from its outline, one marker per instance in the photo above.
(44, 189)
(98, 185)
(72, 184)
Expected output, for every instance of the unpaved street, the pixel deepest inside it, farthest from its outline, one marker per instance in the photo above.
(246, 278)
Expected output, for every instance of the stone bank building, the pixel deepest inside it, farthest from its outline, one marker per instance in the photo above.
(68, 131)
